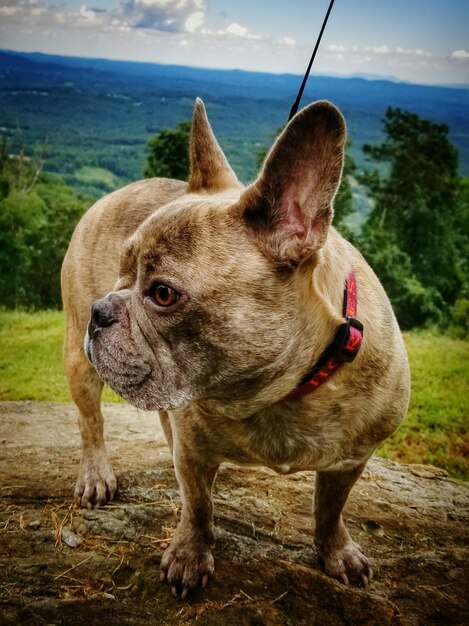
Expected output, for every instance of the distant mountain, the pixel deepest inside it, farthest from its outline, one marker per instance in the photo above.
(97, 113)
(389, 78)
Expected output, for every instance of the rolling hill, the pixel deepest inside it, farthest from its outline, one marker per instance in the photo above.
(91, 118)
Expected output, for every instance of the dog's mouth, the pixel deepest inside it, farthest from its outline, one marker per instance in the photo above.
(120, 369)
(131, 376)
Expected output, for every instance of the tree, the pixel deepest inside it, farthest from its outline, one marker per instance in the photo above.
(415, 201)
(459, 320)
(169, 153)
(412, 237)
(413, 303)
(343, 203)
(38, 214)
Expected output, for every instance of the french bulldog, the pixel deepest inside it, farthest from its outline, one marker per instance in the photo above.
(211, 302)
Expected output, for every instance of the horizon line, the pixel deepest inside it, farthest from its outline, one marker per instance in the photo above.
(370, 77)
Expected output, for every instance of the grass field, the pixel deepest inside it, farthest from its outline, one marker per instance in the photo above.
(97, 175)
(31, 357)
(435, 430)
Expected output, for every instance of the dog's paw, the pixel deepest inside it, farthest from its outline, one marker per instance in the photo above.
(186, 564)
(96, 484)
(348, 564)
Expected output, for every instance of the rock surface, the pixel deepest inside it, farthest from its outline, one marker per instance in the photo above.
(60, 565)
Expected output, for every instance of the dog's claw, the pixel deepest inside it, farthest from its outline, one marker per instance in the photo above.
(96, 484)
(186, 565)
(347, 564)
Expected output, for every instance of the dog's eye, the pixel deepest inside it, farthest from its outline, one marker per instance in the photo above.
(164, 296)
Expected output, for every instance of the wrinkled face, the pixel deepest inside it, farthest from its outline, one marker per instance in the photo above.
(198, 311)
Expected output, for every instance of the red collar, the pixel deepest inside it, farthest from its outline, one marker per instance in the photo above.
(343, 349)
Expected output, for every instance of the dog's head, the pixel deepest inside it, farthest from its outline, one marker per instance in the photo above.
(214, 295)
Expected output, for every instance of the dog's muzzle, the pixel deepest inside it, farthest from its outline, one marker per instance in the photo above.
(103, 315)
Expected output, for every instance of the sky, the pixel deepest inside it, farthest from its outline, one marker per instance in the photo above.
(422, 41)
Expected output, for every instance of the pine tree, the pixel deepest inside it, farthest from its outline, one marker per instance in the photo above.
(412, 237)
(169, 153)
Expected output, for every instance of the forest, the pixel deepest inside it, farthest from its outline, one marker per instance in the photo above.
(74, 129)
(91, 119)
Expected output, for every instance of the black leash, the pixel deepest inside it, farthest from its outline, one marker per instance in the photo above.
(296, 104)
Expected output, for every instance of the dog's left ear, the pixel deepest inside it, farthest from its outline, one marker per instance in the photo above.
(289, 207)
(210, 170)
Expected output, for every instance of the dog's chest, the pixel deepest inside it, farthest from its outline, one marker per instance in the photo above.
(286, 440)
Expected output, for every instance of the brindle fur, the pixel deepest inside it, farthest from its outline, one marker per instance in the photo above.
(261, 275)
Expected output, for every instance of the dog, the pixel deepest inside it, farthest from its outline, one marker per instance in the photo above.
(260, 334)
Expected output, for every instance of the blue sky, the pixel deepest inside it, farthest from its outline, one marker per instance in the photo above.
(423, 41)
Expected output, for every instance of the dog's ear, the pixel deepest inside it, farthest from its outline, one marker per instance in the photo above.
(210, 170)
(289, 207)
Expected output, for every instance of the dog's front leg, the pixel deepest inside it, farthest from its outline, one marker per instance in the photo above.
(188, 561)
(342, 557)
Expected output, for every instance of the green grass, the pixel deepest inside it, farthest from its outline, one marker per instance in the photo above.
(435, 430)
(97, 175)
(31, 357)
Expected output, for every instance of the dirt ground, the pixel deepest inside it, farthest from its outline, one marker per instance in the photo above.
(60, 565)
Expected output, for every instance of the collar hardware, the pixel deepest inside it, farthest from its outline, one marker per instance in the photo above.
(347, 341)
(343, 349)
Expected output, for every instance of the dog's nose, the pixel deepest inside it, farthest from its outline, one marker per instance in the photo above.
(103, 314)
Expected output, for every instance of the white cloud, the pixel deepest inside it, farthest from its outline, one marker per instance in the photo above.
(9, 10)
(194, 21)
(233, 30)
(163, 15)
(237, 29)
(459, 59)
(175, 31)
(380, 49)
(367, 53)
(18, 7)
(460, 54)
(174, 16)
(333, 47)
(85, 12)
